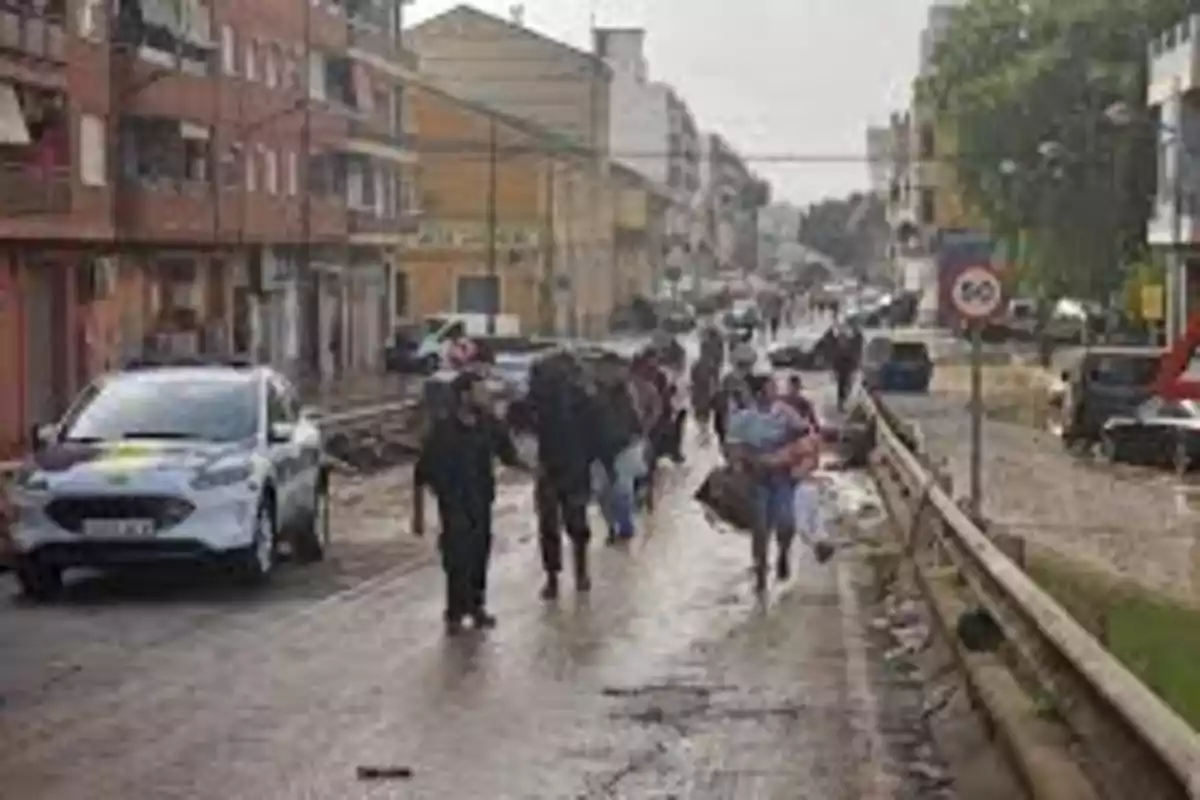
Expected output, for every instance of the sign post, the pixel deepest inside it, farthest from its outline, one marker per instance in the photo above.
(977, 295)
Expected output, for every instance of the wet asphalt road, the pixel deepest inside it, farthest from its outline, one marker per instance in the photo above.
(669, 680)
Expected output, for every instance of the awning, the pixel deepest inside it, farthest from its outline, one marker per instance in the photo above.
(13, 129)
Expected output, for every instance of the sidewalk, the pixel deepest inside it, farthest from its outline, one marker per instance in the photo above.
(345, 393)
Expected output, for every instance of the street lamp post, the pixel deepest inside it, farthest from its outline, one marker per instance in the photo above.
(493, 278)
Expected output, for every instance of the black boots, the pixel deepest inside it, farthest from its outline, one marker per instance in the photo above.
(583, 580)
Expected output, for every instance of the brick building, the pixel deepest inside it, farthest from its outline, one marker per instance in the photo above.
(196, 175)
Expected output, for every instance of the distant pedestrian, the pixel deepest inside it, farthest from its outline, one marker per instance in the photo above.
(456, 463)
(846, 357)
(733, 391)
(794, 396)
(650, 406)
(704, 383)
(569, 442)
(622, 460)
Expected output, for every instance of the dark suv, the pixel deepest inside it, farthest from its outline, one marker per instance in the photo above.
(1105, 382)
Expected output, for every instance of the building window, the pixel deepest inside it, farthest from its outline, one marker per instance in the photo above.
(928, 207)
(93, 166)
(271, 170)
(231, 166)
(251, 60)
(197, 153)
(928, 143)
(478, 294)
(270, 66)
(399, 294)
(251, 166)
(292, 165)
(229, 50)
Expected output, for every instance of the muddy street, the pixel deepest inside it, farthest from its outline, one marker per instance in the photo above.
(1136, 521)
(668, 680)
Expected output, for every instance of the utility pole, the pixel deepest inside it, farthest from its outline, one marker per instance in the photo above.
(1176, 277)
(305, 277)
(549, 289)
(493, 278)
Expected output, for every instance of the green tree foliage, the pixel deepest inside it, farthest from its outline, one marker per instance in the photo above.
(849, 230)
(1013, 75)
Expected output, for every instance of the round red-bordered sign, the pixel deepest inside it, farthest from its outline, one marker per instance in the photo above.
(977, 293)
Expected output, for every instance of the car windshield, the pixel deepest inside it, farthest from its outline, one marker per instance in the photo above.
(1124, 371)
(207, 409)
(909, 351)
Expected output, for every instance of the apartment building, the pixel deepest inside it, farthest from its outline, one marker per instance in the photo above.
(726, 235)
(879, 159)
(654, 133)
(496, 234)
(505, 65)
(1173, 94)
(196, 175)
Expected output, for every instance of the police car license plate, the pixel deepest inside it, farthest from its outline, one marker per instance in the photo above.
(118, 528)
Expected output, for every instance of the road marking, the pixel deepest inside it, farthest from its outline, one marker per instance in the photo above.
(875, 776)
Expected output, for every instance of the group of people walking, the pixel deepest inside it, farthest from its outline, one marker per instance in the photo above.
(602, 426)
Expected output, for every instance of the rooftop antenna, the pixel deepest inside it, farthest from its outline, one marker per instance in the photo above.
(517, 13)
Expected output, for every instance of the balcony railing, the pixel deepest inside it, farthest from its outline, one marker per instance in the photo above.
(31, 35)
(26, 189)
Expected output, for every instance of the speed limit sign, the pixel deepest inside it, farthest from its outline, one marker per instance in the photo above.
(976, 293)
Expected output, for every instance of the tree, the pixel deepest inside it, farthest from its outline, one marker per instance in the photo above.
(849, 230)
(1013, 76)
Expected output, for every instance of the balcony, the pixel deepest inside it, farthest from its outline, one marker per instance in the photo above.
(26, 189)
(1175, 61)
(26, 34)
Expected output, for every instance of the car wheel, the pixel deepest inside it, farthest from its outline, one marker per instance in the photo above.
(1110, 451)
(1181, 459)
(313, 538)
(256, 563)
(39, 582)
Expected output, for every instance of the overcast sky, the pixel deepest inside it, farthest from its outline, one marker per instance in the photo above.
(776, 77)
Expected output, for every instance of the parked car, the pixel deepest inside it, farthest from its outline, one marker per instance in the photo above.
(893, 365)
(677, 318)
(803, 351)
(509, 382)
(744, 315)
(1105, 382)
(1160, 432)
(170, 463)
(405, 356)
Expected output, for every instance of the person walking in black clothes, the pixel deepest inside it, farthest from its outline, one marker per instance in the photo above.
(457, 464)
(569, 440)
(847, 354)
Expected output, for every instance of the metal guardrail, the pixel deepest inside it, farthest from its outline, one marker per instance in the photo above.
(1128, 741)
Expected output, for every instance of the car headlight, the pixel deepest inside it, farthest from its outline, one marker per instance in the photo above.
(226, 476)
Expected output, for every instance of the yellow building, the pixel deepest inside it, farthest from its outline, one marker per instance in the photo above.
(639, 234)
(489, 177)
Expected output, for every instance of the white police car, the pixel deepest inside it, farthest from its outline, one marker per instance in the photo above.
(170, 463)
